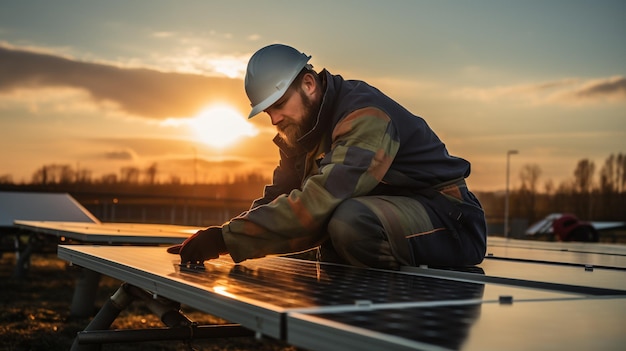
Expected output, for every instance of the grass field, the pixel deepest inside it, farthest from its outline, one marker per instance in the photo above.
(34, 313)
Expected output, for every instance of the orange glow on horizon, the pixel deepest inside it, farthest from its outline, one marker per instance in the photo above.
(221, 126)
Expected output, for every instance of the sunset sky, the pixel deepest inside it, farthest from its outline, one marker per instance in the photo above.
(102, 85)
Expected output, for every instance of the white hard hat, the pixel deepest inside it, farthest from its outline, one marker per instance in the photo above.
(270, 72)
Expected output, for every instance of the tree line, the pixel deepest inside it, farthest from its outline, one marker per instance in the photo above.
(591, 192)
(66, 174)
(588, 194)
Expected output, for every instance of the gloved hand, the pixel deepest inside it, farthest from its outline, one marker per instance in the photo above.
(203, 245)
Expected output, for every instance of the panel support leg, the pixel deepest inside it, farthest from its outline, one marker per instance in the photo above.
(85, 293)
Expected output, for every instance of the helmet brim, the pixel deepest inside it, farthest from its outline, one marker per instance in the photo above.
(284, 85)
(260, 107)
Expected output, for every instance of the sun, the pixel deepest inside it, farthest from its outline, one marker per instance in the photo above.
(221, 126)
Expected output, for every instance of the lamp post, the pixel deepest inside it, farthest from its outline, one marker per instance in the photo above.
(506, 195)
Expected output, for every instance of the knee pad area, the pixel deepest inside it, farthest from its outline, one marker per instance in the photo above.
(358, 236)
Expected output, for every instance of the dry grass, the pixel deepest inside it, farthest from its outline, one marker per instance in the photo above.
(34, 312)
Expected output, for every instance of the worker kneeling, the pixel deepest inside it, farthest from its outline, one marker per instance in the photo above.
(359, 176)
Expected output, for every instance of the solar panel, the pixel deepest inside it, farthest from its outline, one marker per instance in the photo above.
(590, 324)
(258, 293)
(599, 248)
(112, 233)
(597, 281)
(41, 207)
(561, 257)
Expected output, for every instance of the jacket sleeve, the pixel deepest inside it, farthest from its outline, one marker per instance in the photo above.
(364, 144)
(286, 177)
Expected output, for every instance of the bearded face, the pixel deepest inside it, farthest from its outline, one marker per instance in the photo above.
(290, 129)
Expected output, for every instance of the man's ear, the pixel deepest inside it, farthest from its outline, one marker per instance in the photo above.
(309, 84)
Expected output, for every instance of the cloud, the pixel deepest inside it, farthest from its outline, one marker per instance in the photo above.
(567, 91)
(141, 92)
(120, 155)
(611, 87)
(195, 62)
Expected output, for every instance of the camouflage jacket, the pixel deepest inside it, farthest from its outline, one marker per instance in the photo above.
(363, 143)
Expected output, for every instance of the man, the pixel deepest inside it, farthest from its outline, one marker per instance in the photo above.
(359, 176)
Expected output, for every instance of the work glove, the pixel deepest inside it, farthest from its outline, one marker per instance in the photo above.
(203, 245)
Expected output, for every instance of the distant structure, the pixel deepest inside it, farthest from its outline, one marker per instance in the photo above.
(569, 228)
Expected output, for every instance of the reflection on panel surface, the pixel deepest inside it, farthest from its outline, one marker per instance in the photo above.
(591, 324)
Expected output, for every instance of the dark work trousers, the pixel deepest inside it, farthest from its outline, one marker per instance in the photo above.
(387, 232)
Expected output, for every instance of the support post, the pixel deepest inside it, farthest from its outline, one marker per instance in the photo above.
(506, 195)
(85, 292)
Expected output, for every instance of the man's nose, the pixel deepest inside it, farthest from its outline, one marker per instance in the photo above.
(275, 117)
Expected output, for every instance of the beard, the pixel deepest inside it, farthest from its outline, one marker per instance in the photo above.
(291, 131)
